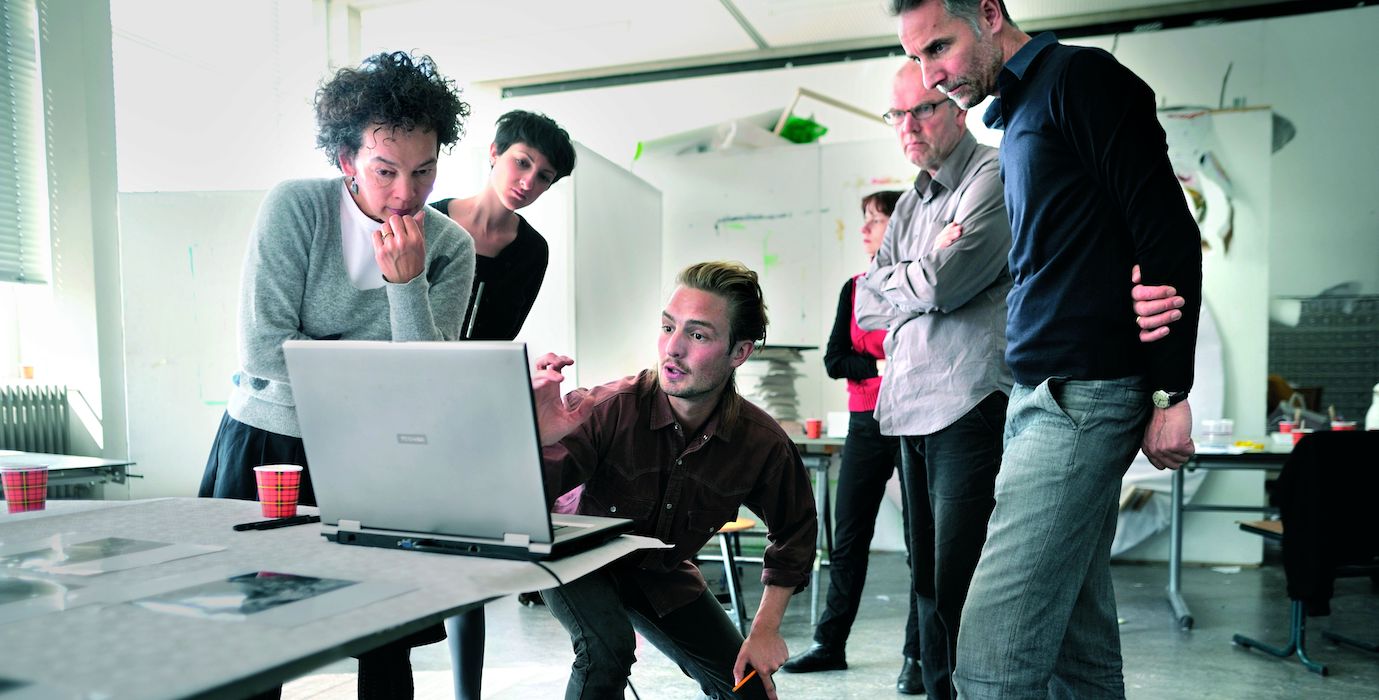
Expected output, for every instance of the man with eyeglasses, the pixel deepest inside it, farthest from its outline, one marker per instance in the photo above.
(938, 284)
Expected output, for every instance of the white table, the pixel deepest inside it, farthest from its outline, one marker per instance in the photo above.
(124, 651)
(90, 474)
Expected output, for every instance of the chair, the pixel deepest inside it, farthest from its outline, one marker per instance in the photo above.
(1326, 531)
(731, 545)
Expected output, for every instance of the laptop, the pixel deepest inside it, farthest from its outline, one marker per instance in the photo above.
(431, 446)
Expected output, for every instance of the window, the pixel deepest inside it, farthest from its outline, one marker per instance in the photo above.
(24, 249)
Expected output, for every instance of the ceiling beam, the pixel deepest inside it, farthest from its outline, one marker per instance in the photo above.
(747, 27)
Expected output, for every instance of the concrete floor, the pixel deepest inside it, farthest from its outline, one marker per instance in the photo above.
(528, 654)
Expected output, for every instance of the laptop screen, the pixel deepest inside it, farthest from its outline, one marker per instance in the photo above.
(433, 438)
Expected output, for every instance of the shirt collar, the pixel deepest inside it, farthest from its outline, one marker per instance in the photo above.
(1020, 63)
(949, 174)
(662, 417)
(1013, 72)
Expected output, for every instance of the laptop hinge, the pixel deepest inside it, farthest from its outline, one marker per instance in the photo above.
(349, 525)
(516, 540)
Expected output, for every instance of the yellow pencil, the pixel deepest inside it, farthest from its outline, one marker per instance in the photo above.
(744, 680)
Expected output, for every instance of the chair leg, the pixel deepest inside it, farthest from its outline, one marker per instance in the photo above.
(1350, 641)
(1297, 643)
(734, 583)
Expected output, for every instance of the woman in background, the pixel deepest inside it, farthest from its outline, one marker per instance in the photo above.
(353, 258)
(529, 153)
(869, 459)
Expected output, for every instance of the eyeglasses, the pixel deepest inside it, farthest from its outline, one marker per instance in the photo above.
(920, 112)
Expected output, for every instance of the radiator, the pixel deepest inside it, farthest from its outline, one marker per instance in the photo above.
(33, 418)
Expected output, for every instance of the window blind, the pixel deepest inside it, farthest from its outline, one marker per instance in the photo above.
(24, 248)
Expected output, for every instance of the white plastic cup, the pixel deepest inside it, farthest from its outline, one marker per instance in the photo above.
(1217, 432)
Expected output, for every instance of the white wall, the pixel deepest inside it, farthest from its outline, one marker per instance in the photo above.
(603, 219)
(183, 252)
(215, 96)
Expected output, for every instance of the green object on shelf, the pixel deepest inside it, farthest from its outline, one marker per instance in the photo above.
(802, 130)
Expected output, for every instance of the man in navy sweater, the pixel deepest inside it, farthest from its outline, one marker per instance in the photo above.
(1090, 193)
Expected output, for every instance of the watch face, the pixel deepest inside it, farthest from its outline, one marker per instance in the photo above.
(1161, 398)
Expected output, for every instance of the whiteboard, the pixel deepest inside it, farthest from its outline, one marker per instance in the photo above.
(180, 254)
(599, 302)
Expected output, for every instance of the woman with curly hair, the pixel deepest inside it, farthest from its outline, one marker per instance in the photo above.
(353, 257)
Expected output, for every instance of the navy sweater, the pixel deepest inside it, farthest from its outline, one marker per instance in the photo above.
(1090, 193)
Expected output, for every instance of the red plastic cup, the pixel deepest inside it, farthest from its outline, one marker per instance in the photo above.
(1337, 425)
(1285, 426)
(813, 428)
(278, 487)
(26, 487)
(1300, 434)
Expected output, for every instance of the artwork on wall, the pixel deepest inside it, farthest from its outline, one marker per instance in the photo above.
(1192, 151)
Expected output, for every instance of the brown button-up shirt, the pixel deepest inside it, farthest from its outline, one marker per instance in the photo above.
(635, 461)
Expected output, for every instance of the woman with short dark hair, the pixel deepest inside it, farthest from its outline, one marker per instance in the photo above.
(529, 153)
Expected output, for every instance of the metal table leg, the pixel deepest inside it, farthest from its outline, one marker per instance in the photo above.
(1175, 555)
(820, 465)
(726, 543)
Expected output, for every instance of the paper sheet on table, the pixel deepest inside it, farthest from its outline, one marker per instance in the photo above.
(77, 554)
(585, 562)
(22, 597)
(276, 598)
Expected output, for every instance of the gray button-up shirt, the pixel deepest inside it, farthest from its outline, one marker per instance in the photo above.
(945, 309)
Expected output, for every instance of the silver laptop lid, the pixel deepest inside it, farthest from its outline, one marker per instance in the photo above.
(427, 437)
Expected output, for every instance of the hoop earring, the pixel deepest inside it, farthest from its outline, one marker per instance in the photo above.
(354, 186)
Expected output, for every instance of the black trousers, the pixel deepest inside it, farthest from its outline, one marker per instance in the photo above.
(950, 483)
(237, 449)
(601, 615)
(869, 459)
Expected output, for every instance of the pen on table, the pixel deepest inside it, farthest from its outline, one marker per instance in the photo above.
(744, 680)
(278, 522)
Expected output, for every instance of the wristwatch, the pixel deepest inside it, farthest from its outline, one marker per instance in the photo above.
(1164, 399)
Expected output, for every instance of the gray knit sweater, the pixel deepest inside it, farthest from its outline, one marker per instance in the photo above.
(295, 286)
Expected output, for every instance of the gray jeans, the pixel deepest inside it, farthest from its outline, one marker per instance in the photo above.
(601, 615)
(1040, 618)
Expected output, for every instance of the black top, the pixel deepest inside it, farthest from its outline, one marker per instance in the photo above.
(841, 360)
(1090, 192)
(1325, 494)
(509, 282)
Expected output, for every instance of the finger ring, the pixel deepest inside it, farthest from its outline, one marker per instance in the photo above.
(386, 234)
